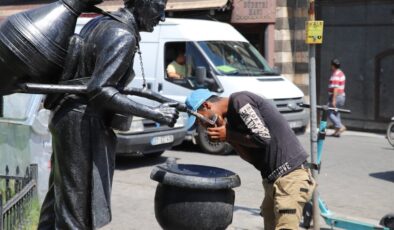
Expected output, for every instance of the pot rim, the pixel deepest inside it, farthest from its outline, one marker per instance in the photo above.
(182, 175)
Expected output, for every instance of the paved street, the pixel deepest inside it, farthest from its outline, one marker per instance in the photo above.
(357, 180)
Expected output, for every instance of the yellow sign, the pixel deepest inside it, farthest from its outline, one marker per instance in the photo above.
(314, 32)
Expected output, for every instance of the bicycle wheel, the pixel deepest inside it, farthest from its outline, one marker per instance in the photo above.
(390, 133)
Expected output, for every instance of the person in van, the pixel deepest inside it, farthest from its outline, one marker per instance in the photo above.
(177, 68)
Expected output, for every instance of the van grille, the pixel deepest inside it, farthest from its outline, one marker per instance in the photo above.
(152, 126)
(288, 105)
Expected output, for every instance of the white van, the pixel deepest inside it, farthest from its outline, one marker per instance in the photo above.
(232, 64)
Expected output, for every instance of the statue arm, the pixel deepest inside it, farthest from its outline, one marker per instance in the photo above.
(115, 54)
(149, 94)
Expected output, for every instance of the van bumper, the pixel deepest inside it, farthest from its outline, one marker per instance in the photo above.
(297, 120)
(140, 144)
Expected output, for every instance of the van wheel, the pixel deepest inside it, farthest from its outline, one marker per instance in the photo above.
(388, 221)
(300, 131)
(207, 146)
(154, 155)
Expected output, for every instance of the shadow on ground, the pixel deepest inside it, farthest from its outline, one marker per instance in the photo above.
(388, 148)
(189, 147)
(389, 175)
(126, 163)
(253, 211)
(133, 162)
(256, 212)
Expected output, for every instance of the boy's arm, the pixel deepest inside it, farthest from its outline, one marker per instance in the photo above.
(240, 139)
(249, 113)
(256, 134)
(223, 133)
(242, 152)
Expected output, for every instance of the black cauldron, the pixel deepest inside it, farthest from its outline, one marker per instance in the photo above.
(194, 196)
(33, 44)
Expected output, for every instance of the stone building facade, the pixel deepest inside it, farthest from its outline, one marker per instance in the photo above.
(291, 52)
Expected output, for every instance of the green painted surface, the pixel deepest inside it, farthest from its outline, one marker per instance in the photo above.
(14, 147)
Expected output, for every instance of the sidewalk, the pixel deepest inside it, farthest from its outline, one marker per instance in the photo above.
(356, 180)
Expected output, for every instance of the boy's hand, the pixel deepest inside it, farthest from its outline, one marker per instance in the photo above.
(217, 133)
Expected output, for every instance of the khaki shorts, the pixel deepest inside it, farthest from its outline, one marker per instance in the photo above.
(284, 200)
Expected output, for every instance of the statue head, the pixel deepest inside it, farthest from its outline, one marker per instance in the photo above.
(148, 13)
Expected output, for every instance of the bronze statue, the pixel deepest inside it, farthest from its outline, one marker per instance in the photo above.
(83, 140)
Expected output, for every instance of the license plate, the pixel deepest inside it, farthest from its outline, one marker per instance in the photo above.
(295, 124)
(162, 140)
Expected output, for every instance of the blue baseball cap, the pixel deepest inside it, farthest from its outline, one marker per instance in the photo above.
(194, 101)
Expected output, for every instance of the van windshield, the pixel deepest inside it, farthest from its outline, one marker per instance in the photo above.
(235, 58)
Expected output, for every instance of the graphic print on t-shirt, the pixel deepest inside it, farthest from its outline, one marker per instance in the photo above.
(253, 122)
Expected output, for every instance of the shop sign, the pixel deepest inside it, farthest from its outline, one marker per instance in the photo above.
(253, 11)
(314, 32)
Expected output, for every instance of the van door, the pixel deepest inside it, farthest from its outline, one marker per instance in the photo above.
(149, 57)
(149, 45)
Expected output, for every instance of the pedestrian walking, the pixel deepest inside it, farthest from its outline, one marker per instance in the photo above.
(336, 96)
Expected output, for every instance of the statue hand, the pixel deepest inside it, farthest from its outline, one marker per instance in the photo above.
(181, 107)
(166, 114)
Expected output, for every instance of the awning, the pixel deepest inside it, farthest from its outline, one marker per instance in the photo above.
(176, 5)
(172, 5)
(6, 11)
(113, 5)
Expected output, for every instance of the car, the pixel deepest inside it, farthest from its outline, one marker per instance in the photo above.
(148, 138)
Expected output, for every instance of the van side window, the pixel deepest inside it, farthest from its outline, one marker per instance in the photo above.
(181, 61)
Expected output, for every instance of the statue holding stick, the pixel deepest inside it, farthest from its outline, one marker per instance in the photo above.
(94, 68)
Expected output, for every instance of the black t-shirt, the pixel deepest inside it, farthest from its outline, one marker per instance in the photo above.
(279, 151)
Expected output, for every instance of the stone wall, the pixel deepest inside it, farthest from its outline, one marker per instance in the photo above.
(291, 52)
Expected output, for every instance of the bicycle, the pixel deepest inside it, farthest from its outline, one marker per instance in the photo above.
(329, 217)
(390, 132)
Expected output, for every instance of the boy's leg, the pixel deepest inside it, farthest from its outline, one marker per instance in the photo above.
(267, 207)
(292, 191)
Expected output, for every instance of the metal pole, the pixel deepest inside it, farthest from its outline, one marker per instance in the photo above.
(34, 176)
(313, 117)
(1, 211)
